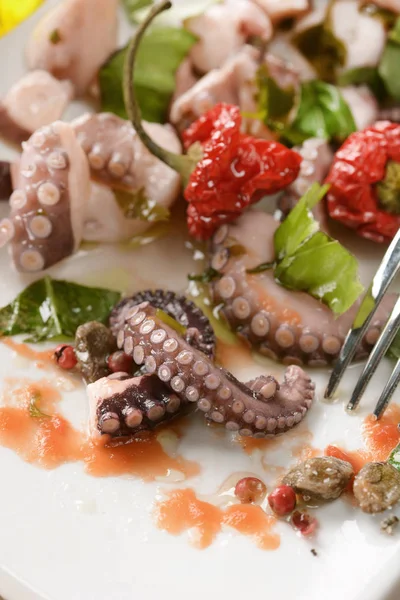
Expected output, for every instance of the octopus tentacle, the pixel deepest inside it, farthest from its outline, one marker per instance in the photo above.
(199, 332)
(281, 324)
(47, 206)
(193, 377)
(123, 406)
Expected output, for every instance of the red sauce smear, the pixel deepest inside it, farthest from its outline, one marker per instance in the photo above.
(183, 511)
(380, 438)
(51, 441)
(42, 358)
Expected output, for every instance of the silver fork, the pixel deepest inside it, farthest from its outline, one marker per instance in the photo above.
(384, 276)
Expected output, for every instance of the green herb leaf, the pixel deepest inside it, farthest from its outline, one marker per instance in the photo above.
(208, 275)
(261, 268)
(388, 189)
(322, 113)
(133, 6)
(34, 410)
(274, 102)
(394, 458)
(308, 260)
(389, 67)
(323, 50)
(52, 309)
(55, 37)
(170, 321)
(138, 206)
(161, 52)
(364, 76)
(198, 293)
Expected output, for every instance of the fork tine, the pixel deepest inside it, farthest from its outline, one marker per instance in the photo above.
(381, 347)
(384, 276)
(388, 391)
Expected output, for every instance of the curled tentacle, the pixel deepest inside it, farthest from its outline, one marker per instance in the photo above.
(194, 378)
(36, 100)
(199, 332)
(48, 204)
(123, 406)
(280, 323)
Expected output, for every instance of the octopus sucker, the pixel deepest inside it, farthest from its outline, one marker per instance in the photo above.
(122, 406)
(49, 199)
(261, 408)
(198, 334)
(118, 159)
(281, 324)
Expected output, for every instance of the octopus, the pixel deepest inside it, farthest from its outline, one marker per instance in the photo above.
(60, 43)
(321, 478)
(317, 157)
(260, 408)
(118, 159)
(124, 404)
(223, 29)
(36, 100)
(5, 180)
(48, 202)
(233, 83)
(282, 324)
(283, 9)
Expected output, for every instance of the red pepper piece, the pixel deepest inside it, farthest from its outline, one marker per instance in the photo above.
(236, 170)
(357, 167)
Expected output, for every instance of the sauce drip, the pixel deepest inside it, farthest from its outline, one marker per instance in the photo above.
(183, 511)
(50, 441)
(42, 359)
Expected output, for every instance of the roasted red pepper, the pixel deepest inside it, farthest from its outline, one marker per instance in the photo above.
(234, 170)
(365, 182)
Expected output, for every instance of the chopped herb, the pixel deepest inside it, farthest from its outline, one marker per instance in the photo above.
(323, 50)
(156, 232)
(388, 189)
(261, 268)
(160, 54)
(394, 350)
(314, 552)
(389, 66)
(170, 321)
(198, 293)
(274, 103)
(138, 206)
(394, 458)
(322, 113)
(389, 524)
(55, 37)
(205, 277)
(387, 17)
(34, 410)
(309, 260)
(50, 309)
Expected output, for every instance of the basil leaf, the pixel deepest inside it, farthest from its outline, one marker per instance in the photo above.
(133, 6)
(273, 101)
(322, 49)
(389, 67)
(161, 52)
(50, 309)
(364, 76)
(138, 206)
(322, 113)
(308, 260)
(394, 458)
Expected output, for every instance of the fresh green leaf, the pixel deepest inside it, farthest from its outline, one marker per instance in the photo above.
(34, 410)
(274, 102)
(161, 52)
(394, 458)
(364, 76)
(133, 6)
(389, 67)
(308, 260)
(138, 206)
(50, 309)
(208, 275)
(322, 49)
(322, 113)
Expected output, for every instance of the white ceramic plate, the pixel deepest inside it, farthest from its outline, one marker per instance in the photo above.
(65, 535)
